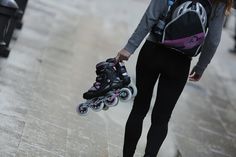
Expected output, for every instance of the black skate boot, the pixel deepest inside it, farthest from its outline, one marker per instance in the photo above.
(106, 81)
(121, 71)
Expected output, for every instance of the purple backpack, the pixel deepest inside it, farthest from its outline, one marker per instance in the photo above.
(187, 26)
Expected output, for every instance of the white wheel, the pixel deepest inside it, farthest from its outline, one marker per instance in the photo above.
(97, 106)
(82, 109)
(112, 100)
(133, 89)
(125, 94)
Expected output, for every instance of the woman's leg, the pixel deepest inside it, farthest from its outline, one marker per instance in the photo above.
(170, 86)
(145, 81)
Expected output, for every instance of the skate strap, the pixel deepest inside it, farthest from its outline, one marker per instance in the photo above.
(97, 85)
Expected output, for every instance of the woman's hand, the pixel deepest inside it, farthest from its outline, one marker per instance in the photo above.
(123, 55)
(193, 76)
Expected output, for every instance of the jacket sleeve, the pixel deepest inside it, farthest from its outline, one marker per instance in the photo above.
(148, 20)
(213, 38)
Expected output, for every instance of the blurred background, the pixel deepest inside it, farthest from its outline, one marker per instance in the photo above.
(49, 50)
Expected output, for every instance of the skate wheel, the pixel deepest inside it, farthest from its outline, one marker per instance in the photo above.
(125, 94)
(82, 109)
(97, 106)
(105, 107)
(133, 89)
(111, 101)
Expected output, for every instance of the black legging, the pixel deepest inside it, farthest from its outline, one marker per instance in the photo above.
(172, 69)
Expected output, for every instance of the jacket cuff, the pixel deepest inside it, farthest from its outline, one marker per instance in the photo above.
(199, 70)
(130, 47)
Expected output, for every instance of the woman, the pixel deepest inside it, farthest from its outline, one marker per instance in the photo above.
(172, 70)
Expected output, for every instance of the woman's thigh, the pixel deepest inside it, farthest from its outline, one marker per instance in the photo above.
(146, 77)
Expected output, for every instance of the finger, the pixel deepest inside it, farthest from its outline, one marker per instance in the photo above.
(195, 78)
(123, 58)
(117, 58)
(192, 74)
(127, 57)
(192, 79)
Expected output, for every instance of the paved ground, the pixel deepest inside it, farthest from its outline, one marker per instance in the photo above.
(52, 64)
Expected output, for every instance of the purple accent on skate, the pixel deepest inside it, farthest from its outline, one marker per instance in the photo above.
(95, 86)
(186, 43)
(116, 93)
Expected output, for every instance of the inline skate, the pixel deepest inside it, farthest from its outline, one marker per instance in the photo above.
(111, 84)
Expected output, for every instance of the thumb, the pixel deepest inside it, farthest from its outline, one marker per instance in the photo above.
(192, 73)
(117, 58)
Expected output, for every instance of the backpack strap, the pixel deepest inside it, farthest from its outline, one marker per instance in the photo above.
(172, 8)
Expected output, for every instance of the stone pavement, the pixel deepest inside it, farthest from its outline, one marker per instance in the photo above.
(53, 62)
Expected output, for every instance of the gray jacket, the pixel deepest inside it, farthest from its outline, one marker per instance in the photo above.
(150, 17)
